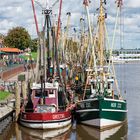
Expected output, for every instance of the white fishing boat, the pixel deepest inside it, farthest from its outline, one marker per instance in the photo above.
(126, 58)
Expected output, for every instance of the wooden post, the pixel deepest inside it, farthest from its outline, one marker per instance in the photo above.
(17, 101)
(17, 132)
(24, 90)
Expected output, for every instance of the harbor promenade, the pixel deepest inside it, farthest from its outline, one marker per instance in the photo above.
(7, 105)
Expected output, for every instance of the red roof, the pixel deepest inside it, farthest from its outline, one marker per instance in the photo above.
(13, 50)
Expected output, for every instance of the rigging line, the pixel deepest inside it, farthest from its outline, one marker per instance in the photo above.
(58, 26)
(110, 51)
(54, 3)
(112, 46)
(57, 61)
(119, 5)
(82, 40)
(115, 27)
(86, 3)
(37, 30)
(34, 12)
(93, 47)
(66, 33)
(125, 84)
(116, 82)
(122, 74)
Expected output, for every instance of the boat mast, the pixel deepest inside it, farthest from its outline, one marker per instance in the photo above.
(47, 13)
(66, 36)
(101, 20)
(101, 45)
(38, 51)
(57, 43)
(82, 42)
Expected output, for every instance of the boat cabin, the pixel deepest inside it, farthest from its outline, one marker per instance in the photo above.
(108, 86)
(45, 100)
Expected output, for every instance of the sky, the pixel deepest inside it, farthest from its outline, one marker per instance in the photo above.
(15, 13)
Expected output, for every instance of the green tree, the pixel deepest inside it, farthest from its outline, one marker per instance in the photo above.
(34, 45)
(18, 37)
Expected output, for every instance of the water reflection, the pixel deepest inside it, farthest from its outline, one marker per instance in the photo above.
(17, 132)
(116, 133)
(80, 132)
(32, 134)
(8, 133)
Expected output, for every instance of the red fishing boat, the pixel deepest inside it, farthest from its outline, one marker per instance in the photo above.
(46, 106)
(48, 115)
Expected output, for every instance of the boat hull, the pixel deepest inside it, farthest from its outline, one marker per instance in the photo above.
(101, 113)
(45, 120)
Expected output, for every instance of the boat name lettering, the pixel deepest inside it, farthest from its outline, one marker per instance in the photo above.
(88, 105)
(82, 105)
(119, 105)
(58, 116)
(113, 105)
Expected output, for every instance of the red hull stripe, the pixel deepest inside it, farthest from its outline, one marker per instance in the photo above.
(46, 116)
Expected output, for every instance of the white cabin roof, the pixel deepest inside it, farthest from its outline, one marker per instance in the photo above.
(111, 80)
(54, 85)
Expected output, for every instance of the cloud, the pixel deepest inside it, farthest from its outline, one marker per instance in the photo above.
(19, 13)
(132, 3)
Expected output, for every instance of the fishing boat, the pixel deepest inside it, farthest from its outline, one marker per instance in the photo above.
(126, 58)
(46, 105)
(44, 111)
(102, 105)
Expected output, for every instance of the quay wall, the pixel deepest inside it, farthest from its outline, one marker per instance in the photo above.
(5, 75)
(6, 120)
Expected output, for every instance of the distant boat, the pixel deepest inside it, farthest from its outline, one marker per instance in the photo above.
(126, 58)
(101, 106)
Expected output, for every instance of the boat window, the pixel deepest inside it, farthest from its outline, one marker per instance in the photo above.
(109, 85)
(46, 93)
(44, 108)
(94, 85)
(38, 93)
(52, 93)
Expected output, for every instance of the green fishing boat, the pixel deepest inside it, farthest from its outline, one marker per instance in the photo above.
(102, 104)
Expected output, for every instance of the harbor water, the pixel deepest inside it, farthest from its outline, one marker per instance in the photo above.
(129, 83)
